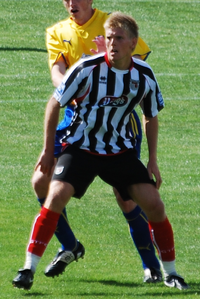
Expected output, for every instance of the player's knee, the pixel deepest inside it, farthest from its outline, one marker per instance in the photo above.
(36, 180)
(128, 206)
(156, 211)
(159, 206)
(58, 196)
(40, 183)
(125, 206)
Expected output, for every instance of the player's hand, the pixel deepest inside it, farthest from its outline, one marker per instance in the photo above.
(45, 162)
(100, 43)
(153, 171)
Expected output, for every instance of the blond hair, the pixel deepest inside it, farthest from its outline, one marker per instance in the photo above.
(121, 20)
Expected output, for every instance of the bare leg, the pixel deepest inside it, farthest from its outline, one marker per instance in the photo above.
(64, 233)
(45, 223)
(40, 183)
(148, 198)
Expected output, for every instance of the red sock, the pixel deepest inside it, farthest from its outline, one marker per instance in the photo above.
(163, 239)
(42, 232)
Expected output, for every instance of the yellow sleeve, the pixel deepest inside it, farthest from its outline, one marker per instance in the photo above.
(54, 46)
(141, 49)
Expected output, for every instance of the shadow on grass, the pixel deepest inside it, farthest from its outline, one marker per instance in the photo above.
(112, 283)
(193, 290)
(35, 294)
(147, 293)
(22, 49)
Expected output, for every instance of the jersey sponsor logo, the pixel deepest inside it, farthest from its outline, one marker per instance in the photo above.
(67, 41)
(134, 84)
(58, 170)
(113, 101)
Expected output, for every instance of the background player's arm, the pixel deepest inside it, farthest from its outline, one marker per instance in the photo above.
(58, 71)
(46, 160)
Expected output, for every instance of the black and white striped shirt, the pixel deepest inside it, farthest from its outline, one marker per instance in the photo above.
(105, 98)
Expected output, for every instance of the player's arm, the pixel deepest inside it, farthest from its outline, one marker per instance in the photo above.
(151, 131)
(46, 160)
(58, 71)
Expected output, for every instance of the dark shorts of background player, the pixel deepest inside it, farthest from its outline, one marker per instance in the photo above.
(79, 168)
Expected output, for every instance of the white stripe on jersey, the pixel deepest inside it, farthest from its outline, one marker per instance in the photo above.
(105, 98)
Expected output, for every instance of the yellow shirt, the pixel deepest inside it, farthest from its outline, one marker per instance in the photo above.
(72, 41)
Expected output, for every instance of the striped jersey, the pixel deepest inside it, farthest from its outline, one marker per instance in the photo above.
(105, 98)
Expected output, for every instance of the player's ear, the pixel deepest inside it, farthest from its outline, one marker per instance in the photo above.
(134, 41)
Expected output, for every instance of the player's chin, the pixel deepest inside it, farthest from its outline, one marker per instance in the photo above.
(113, 58)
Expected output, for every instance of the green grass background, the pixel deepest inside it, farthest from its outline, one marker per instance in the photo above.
(111, 268)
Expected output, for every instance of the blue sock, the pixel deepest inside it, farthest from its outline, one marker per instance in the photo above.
(63, 231)
(140, 234)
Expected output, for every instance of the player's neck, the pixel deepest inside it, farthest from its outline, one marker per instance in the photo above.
(85, 19)
(123, 64)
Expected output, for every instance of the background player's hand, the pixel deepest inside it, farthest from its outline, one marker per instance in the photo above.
(153, 171)
(46, 162)
(100, 43)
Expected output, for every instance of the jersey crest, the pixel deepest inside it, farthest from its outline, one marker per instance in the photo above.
(134, 84)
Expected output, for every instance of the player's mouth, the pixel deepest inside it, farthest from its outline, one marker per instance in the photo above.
(74, 11)
(113, 51)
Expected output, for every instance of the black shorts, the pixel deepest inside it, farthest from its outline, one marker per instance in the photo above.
(79, 168)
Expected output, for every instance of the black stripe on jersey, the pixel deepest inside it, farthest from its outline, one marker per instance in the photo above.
(77, 120)
(92, 99)
(97, 126)
(111, 78)
(144, 70)
(80, 86)
(129, 109)
(86, 63)
(126, 80)
(147, 101)
(108, 134)
(110, 89)
(147, 105)
(140, 95)
(147, 71)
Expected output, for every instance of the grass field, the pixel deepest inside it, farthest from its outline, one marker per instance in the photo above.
(111, 268)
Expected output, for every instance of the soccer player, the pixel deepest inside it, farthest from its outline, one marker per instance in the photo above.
(99, 143)
(68, 41)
